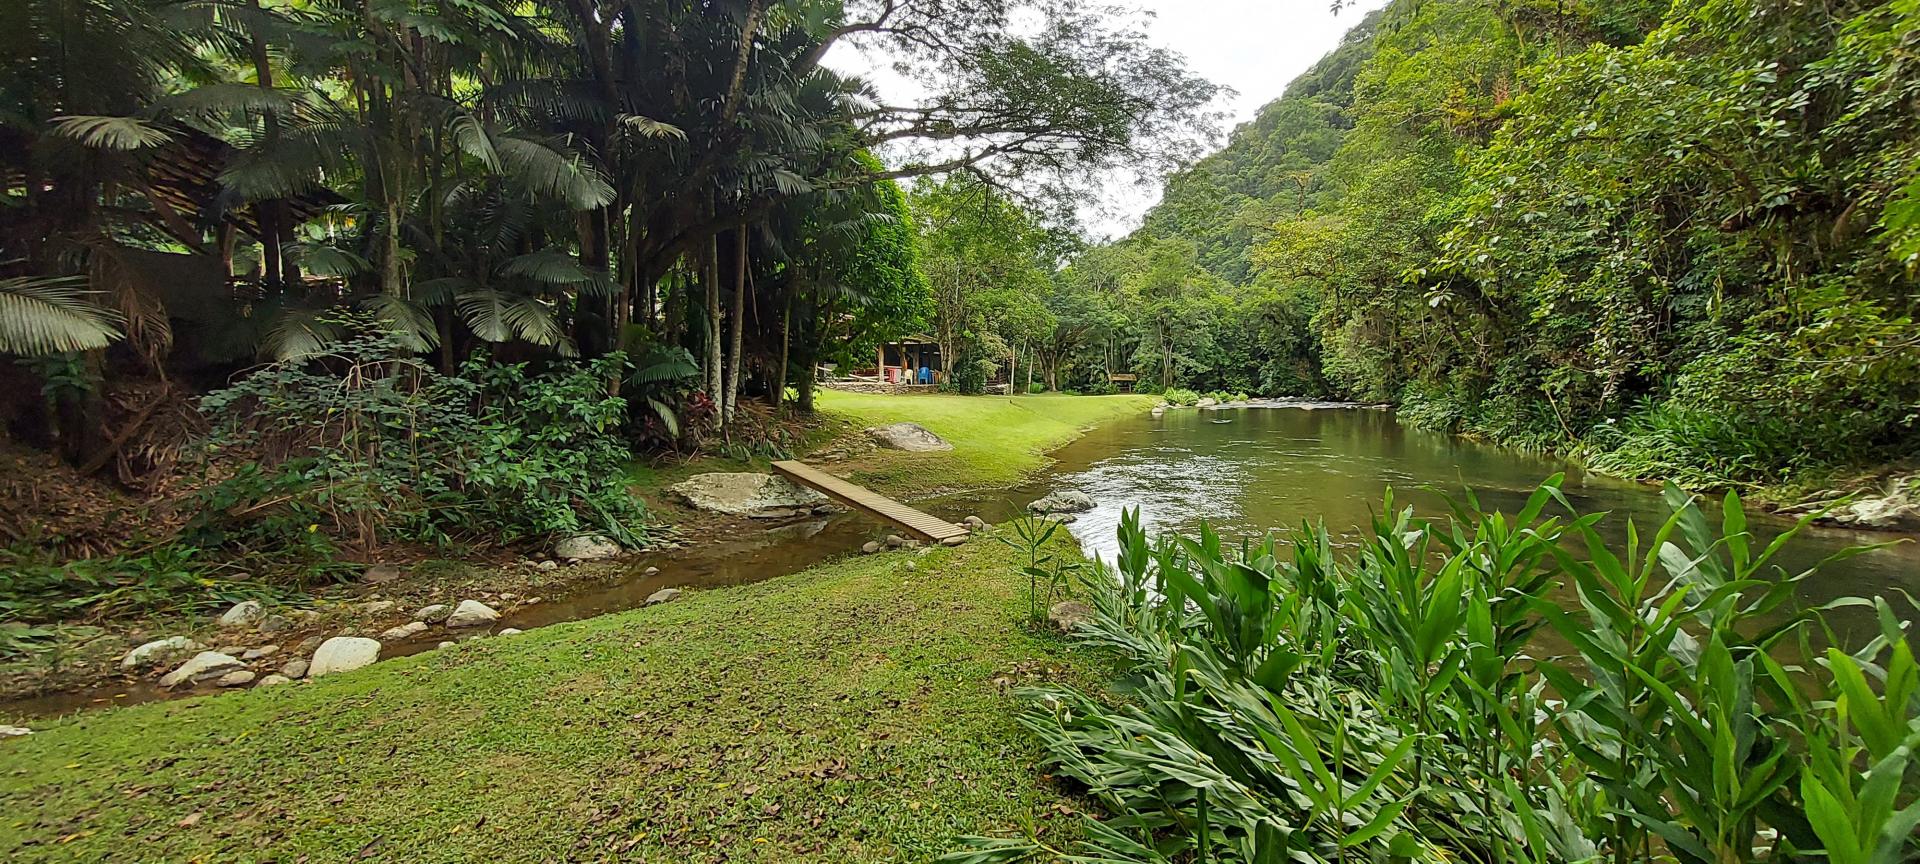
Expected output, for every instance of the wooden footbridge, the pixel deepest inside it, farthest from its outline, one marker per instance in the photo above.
(922, 526)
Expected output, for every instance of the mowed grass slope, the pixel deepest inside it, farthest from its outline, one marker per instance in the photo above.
(997, 440)
(854, 712)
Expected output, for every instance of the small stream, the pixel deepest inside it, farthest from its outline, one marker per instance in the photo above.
(1244, 470)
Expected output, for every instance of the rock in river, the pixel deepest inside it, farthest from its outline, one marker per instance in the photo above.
(404, 631)
(586, 547)
(160, 651)
(1065, 501)
(343, 654)
(472, 613)
(760, 496)
(664, 595)
(203, 666)
(911, 437)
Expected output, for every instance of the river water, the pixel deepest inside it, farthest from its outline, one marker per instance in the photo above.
(1244, 470)
(1250, 470)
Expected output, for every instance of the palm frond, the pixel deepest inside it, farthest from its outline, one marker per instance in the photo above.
(473, 139)
(321, 259)
(110, 133)
(230, 97)
(407, 321)
(647, 127)
(551, 171)
(52, 315)
(498, 316)
(300, 333)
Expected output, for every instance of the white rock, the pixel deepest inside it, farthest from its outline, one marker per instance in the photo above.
(260, 653)
(512, 631)
(444, 645)
(549, 565)
(245, 613)
(270, 680)
(663, 595)
(378, 607)
(1064, 501)
(14, 731)
(472, 613)
(586, 547)
(236, 679)
(160, 651)
(204, 665)
(404, 631)
(760, 496)
(294, 669)
(911, 437)
(650, 571)
(434, 614)
(343, 654)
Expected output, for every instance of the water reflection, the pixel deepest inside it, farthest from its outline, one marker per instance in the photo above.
(1274, 469)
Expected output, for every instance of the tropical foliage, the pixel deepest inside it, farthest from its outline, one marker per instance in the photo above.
(1677, 239)
(1436, 695)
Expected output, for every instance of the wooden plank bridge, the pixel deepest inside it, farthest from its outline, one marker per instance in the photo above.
(921, 525)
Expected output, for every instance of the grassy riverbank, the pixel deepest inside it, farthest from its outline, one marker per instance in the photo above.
(997, 440)
(853, 712)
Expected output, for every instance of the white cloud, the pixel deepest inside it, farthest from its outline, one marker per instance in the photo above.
(1252, 46)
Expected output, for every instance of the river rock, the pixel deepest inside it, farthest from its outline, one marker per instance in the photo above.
(380, 574)
(664, 595)
(1206, 402)
(14, 731)
(870, 547)
(378, 607)
(512, 631)
(586, 547)
(404, 631)
(434, 614)
(270, 680)
(245, 613)
(275, 624)
(203, 666)
(548, 565)
(1898, 508)
(240, 678)
(758, 496)
(1069, 614)
(294, 669)
(445, 645)
(343, 654)
(975, 523)
(472, 613)
(308, 645)
(1064, 501)
(260, 653)
(911, 437)
(160, 651)
(650, 571)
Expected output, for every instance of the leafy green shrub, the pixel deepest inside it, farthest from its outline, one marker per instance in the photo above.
(1700, 448)
(1298, 704)
(1227, 396)
(365, 444)
(1180, 397)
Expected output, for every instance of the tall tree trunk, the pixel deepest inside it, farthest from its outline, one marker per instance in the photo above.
(712, 274)
(739, 323)
(778, 392)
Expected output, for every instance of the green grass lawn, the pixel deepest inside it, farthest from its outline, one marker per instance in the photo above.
(997, 440)
(854, 712)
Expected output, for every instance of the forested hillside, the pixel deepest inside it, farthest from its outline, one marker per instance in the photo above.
(1680, 241)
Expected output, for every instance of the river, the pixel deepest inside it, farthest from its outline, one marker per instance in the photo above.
(1244, 470)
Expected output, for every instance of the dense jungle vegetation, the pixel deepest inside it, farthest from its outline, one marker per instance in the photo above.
(443, 264)
(1678, 239)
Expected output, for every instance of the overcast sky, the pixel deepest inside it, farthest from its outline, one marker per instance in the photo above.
(1252, 46)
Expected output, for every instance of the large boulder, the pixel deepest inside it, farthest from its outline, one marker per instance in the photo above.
(343, 654)
(204, 666)
(759, 496)
(911, 437)
(586, 547)
(1064, 501)
(472, 613)
(159, 652)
